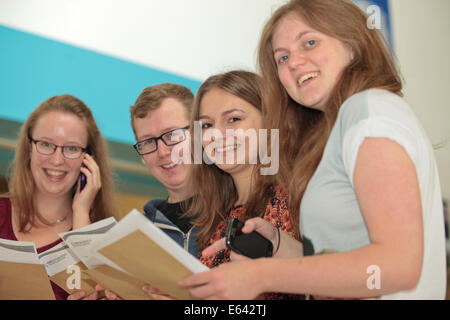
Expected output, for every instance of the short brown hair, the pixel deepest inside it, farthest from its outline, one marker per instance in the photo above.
(152, 97)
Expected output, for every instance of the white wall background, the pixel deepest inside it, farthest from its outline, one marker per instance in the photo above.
(193, 38)
(421, 32)
(196, 38)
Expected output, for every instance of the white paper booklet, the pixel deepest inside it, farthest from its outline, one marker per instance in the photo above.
(79, 240)
(58, 259)
(18, 251)
(137, 221)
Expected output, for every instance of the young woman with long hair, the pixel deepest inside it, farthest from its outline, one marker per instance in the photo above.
(44, 198)
(225, 186)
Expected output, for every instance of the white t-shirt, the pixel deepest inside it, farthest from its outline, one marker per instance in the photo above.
(330, 215)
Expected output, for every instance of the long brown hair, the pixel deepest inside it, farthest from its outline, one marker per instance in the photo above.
(304, 131)
(215, 190)
(21, 184)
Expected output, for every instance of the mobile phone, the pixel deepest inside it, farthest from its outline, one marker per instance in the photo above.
(252, 245)
(83, 180)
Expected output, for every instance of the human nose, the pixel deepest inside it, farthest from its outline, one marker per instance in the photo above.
(221, 129)
(163, 150)
(221, 133)
(213, 135)
(57, 157)
(296, 59)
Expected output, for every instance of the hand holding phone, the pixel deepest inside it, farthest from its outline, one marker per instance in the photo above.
(252, 245)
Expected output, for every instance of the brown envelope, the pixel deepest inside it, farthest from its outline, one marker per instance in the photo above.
(142, 257)
(24, 281)
(127, 287)
(86, 283)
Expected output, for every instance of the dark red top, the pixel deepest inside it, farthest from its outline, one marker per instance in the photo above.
(6, 232)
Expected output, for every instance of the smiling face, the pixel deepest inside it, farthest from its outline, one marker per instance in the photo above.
(54, 174)
(309, 63)
(168, 116)
(223, 111)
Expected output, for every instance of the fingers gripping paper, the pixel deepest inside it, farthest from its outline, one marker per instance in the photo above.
(138, 248)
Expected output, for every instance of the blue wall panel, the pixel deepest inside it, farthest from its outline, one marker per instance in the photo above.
(33, 68)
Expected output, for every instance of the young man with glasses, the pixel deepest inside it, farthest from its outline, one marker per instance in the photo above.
(160, 119)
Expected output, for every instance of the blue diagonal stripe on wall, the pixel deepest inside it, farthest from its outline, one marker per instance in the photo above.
(33, 68)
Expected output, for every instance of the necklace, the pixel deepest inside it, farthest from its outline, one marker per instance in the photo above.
(60, 220)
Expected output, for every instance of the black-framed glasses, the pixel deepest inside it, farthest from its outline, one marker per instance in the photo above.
(170, 138)
(48, 148)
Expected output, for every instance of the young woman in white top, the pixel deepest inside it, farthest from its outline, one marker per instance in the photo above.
(362, 172)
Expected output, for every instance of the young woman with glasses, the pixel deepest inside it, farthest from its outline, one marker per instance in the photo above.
(59, 141)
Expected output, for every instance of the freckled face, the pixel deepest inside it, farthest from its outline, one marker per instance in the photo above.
(54, 174)
(309, 63)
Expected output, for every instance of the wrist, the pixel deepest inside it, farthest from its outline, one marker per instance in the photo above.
(263, 274)
(80, 219)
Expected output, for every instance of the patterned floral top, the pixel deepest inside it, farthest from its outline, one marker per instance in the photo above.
(276, 213)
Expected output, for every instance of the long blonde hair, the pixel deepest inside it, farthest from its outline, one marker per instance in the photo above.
(304, 131)
(216, 193)
(22, 185)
